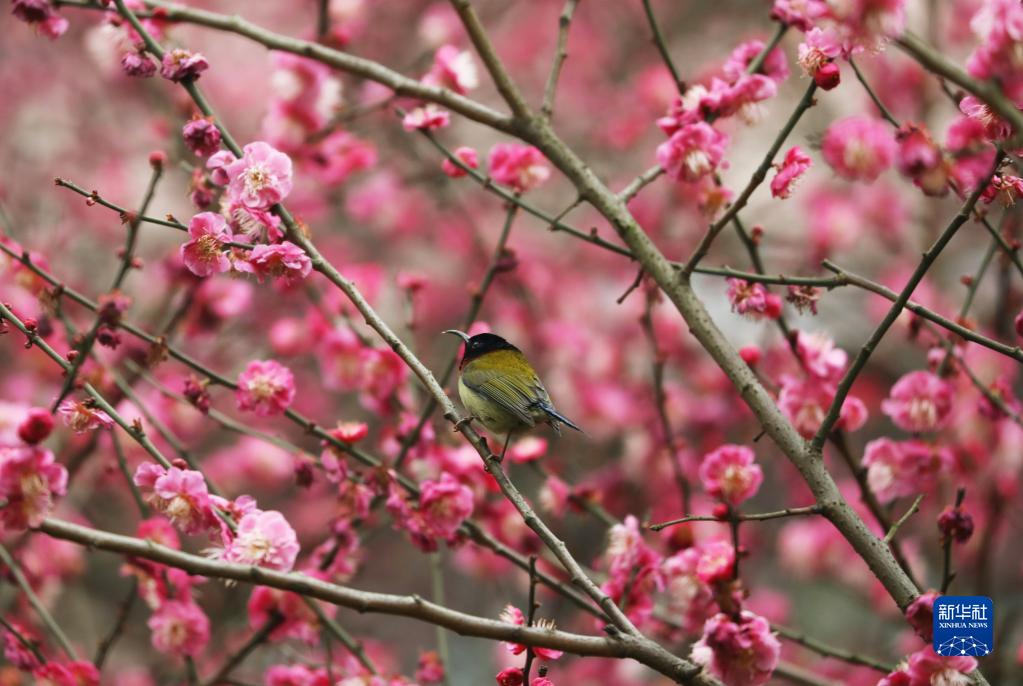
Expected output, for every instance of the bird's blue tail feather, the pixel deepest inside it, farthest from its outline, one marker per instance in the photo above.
(557, 417)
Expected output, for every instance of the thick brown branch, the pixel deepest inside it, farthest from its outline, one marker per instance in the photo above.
(622, 646)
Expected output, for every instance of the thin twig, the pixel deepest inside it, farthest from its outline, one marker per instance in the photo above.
(661, 400)
(530, 616)
(560, 54)
(117, 629)
(126, 264)
(44, 615)
(1015, 352)
(913, 509)
(869, 499)
(822, 648)
(752, 517)
(32, 646)
(805, 103)
(845, 385)
(662, 47)
(873, 96)
(475, 305)
(275, 620)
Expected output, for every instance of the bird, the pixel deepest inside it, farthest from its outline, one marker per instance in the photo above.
(501, 390)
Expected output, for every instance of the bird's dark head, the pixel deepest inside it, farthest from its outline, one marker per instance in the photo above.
(480, 344)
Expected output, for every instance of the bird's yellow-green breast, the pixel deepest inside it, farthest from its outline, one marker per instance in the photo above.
(501, 389)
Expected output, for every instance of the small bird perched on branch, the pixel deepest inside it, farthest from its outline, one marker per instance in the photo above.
(501, 390)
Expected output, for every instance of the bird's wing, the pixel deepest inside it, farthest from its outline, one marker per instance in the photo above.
(497, 386)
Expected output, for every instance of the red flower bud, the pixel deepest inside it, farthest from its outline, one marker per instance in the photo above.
(750, 354)
(510, 677)
(828, 76)
(36, 426)
(157, 159)
(955, 524)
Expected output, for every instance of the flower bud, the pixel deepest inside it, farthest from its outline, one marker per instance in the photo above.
(750, 354)
(828, 76)
(36, 426)
(955, 524)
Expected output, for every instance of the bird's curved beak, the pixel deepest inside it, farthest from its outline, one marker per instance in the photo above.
(461, 334)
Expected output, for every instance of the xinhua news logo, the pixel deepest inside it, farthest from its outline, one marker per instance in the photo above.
(964, 625)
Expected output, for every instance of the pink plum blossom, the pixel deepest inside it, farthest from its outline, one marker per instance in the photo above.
(919, 402)
(201, 136)
(753, 300)
(260, 179)
(522, 167)
(859, 148)
(454, 69)
(692, 152)
(775, 65)
(266, 387)
(15, 652)
(820, 357)
(180, 494)
(816, 55)
(896, 469)
(920, 614)
(264, 539)
(790, 170)
(634, 570)
(730, 474)
(689, 597)
(204, 253)
(426, 118)
(42, 15)
(82, 416)
(30, 479)
(297, 618)
(920, 159)
(179, 628)
(716, 562)
(443, 506)
(467, 156)
(180, 64)
(75, 673)
(36, 426)
(513, 615)
(285, 261)
(138, 64)
(512, 676)
(927, 668)
(296, 675)
(742, 652)
(341, 155)
(805, 403)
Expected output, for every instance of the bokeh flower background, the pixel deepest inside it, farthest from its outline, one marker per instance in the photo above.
(388, 188)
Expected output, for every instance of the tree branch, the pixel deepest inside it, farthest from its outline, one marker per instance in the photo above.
(365, 601)
(845, 385)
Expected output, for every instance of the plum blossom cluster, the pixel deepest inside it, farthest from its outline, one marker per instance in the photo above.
(30, 477)
(926, 668)
(695, 147)
(442, 507)
(805, 398)
(42, 15)
(686, 434)
(244, 533)
(254, 184)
